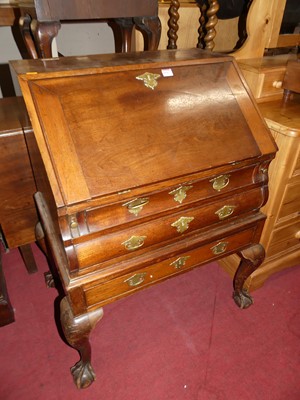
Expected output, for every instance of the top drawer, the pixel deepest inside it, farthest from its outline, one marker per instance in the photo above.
(133, 210)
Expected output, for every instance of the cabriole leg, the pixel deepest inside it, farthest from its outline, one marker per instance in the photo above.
(251, 259)
(77, 331)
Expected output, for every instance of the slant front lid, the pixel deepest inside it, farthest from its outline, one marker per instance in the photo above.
(107, 130)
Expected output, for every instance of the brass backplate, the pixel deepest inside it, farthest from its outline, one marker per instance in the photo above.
(182, 224)
(149, 79)
(180, 193)
(219, 248)
(180, 262)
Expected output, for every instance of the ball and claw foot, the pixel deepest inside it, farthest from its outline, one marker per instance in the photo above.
(242, 299)
(83, 374)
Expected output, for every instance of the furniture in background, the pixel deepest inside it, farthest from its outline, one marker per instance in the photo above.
(281, 234)
(18, 215)
(41, 21)
(291, 82)
(260, 26)
(265, 75)
(123, 209)
(9, 14)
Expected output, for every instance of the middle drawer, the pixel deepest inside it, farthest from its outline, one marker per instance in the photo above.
(91, 250)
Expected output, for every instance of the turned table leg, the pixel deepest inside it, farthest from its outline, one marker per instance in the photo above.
(251, 259)
(173, 24)
(77, 331)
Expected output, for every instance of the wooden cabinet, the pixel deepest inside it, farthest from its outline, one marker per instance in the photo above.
(281, 234)
(17, 213)
(147, 165)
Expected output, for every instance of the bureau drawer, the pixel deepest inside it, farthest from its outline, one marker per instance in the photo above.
(291, 201)
(100, 294)
(134, 209)
(272, 83)
(158, 232)
(284, 239)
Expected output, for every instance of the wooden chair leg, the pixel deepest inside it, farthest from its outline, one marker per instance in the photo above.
(28, 258)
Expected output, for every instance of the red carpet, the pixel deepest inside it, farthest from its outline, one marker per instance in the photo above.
(183, 339)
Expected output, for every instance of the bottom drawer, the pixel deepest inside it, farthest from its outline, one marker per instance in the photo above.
(106, 292)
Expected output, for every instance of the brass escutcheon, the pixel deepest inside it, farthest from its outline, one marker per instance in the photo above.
(149, 79)
(136, 279)
(220, 182)
(182, 224)
(180, 262)
(134, 242)
(135, 206)
(225, 211)
(219, 248)
(180, 193)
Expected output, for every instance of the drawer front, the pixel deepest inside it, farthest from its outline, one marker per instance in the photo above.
(180, 196)
(291, 201)
(156, 232)
(285, 239)
(272, 83)
(100, 294)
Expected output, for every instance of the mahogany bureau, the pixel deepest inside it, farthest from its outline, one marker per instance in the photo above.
(147, 165)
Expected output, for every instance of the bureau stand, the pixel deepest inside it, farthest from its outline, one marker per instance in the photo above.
(147, 165)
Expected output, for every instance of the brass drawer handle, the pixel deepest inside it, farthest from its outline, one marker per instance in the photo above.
(135, 242)
(220, 182)
(136, 205)
(182, 224)
(136, 279)
(225, 211)
(180, 193)
(180, 262)
(297, 235)
(219, 248)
